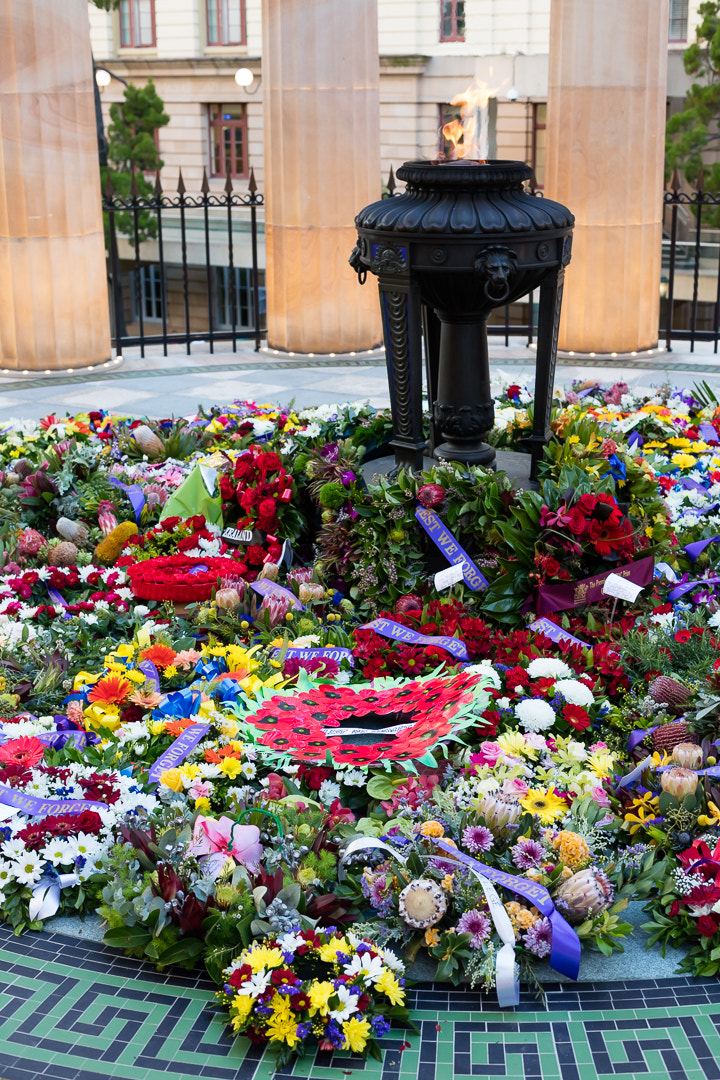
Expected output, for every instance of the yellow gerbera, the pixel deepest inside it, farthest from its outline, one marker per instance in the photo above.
(544, 804)
(514, 744)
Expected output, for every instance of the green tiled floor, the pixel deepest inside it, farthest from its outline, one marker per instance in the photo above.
(71, 1010)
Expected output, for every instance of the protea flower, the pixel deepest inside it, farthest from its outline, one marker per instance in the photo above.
(307, 593)
(228, 599)
(74, 531)
(270, 571)
(501, 812)
(276, 607)
(584, 895)
(150, 443)
(687, 755)
(430, 495)
(422, 903)
(106, 517)
(679, 782)
(410, 602)
(30, 541)
(155, 495)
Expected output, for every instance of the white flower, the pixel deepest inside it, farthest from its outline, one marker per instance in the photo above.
(393, 962)
(503, 703)
(58, 851)
(371, 967)
(485, 668)
(249, 769)
(305, 642)
(13, 849)
(534, 715)
(545, 667)
(84, 845)
(348, 1005)
(290, 942)
(575, 692)
(343, 677)
(257, 984)
(354, 778)
(329, 792)
(7, 872)
(28, 868)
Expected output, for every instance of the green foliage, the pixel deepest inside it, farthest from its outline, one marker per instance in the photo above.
(132, 152)
(690, 132)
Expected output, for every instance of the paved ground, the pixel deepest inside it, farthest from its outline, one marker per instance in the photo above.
(159, 386)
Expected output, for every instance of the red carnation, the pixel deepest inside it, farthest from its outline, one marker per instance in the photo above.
(707, 925)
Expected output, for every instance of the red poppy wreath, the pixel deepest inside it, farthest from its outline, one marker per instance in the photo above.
(433, 711)
(181, 579)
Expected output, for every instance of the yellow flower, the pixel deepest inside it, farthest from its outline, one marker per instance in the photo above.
(228, 727)
(157, 727)
(520, 916)
(447, 883)
(544, 804)
(319, 994)
(328, 951)
(602, 764)
(572, 849)
(97, 716)
(356, 1034)
(432, 937)
(169, 671)
(172, 778)
(657, 759)
(637, 821)
(513, 743)
(282, 1029)
(230, 766)
(240, 1009)
(432, 828)
(387, 984)
(713, 818)
(574, 439)
(260, 956)
(685, 461)
(202, 804)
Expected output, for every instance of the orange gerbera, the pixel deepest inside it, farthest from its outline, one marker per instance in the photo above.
(111, 690)
(160, 655)
(215, 757)
(176, 727)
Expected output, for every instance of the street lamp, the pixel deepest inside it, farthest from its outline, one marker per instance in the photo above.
(244, 77)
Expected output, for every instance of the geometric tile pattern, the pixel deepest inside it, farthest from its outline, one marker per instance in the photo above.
(74, 1010)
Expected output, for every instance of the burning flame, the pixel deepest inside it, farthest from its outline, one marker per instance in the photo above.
(469, 137)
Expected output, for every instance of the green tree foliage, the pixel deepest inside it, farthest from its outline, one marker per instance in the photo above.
(697, 127)
(132, 152)
(106, 5)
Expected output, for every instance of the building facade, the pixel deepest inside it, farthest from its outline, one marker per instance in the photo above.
(431, 51)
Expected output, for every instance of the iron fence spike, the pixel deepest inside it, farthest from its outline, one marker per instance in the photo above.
(228, 182)
(158, 185)
(700, 186)
(391, 181)
(252, 186)
(134, 189)
(109, 189)
(205, 187)
(675, 181)
(181, 189)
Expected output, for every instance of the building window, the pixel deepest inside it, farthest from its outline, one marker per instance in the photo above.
(226, 22)
(151, 294)
(677, 27)
(228, 135)
(539, 135)
(137, 23)
(452, 20)
(243, 296)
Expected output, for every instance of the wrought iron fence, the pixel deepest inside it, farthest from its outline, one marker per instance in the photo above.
(159, 227)
(690, 283)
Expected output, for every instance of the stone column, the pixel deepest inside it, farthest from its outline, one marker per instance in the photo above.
(605, 148)
(321, 76)
(53, 287)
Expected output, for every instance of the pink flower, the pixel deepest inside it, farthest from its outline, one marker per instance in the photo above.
(514, 787)
(200, 789)
(186, 659)
(597, 748)
(488, 754)
(226, 837)
(600, 796)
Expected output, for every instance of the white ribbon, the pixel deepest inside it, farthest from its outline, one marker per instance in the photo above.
(366, 843)
(507, 981)
(45, 898)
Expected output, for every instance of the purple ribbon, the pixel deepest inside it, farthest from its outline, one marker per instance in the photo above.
(151, 674)
(336, 654)
(446, 542)
(587, 390)
(396, 632)
(179, 750)
(708, 432)
(702, 510)
(552, 631)
(637, 735)
(695, 549)
(58, 598)
(692, 485)
(565, 947)
(201, 568)
(635, 439)
(134, 493)
(688, 586)
(31, 804)
(276, 592)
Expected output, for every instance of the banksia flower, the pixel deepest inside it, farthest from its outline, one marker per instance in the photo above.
(422, 903)
(667, 691)
(63, 554)
(679, 782)
(74, 531)
(687, 755)
(501, 812)
(150, 443)
(668, 736)
(109, 549)
(584, 895)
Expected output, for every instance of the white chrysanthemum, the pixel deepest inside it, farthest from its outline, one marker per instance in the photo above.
(575, 692)
(534, 715)
(485, 668)
(354, 778)
(329, 792)
(58, 851)
(546, 667)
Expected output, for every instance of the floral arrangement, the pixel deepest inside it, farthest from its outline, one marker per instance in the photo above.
(339, 990)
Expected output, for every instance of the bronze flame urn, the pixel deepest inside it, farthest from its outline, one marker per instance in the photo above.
(462, 239)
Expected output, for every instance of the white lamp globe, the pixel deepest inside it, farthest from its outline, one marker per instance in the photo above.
(244, 76)
(102, 77)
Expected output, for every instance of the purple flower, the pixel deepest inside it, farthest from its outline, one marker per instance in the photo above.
(527, 854)
(477, 838)
(302, 1031)
(380, 1026)
(348, 477)
(329, 451)
(475, 923)
(538, 938)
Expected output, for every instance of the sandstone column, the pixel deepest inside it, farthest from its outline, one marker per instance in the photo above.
(605, 146)
(53, 290)
(321, 77)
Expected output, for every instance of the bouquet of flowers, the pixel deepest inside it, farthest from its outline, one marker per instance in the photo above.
(337, 990)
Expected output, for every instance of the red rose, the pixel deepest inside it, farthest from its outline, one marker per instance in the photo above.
(266, 508)
(170, 524)
(707, 925)
(576, 521)
(674, 909)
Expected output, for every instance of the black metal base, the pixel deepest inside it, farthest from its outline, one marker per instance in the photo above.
(481, 454)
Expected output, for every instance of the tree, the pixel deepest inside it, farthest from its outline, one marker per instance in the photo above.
(690, 132)
(132, 152)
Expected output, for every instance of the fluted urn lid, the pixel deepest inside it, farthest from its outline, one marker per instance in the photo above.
(465, 197)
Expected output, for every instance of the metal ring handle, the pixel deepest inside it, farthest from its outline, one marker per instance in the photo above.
(498, 299)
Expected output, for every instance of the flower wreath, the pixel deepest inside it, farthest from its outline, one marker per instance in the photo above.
(180, 578)
(434, 709)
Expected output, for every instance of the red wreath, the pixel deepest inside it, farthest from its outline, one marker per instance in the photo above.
(295, 726)
(181, 579)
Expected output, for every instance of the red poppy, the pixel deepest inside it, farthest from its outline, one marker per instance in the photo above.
(682, 636)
